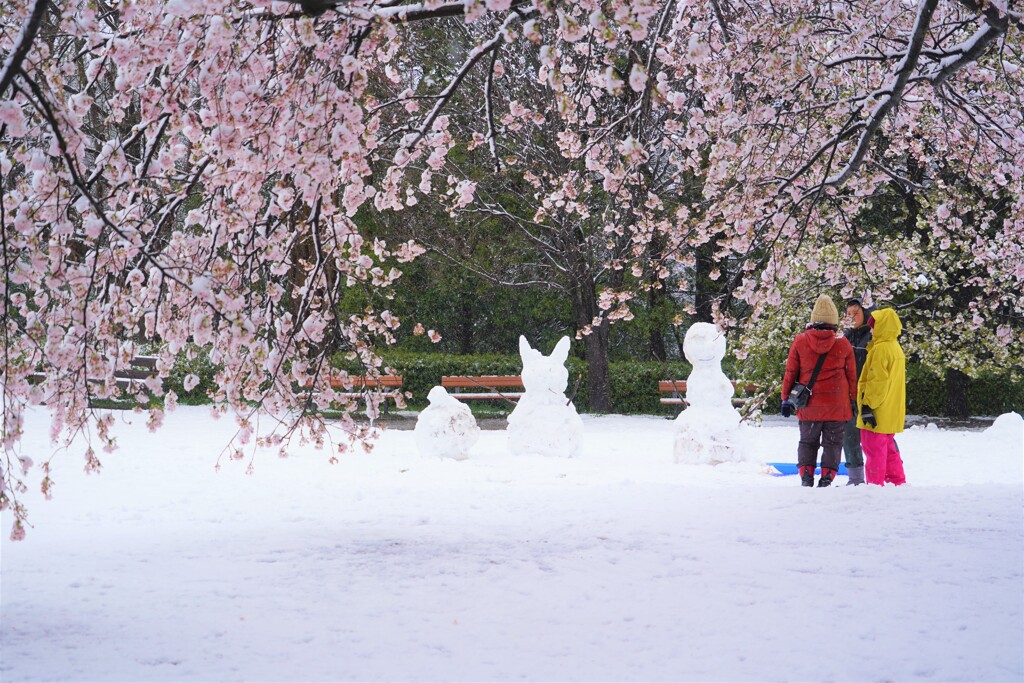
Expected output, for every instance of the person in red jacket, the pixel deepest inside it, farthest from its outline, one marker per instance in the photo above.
(823, 420)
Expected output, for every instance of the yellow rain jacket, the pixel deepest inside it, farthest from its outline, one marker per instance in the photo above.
(883, 382)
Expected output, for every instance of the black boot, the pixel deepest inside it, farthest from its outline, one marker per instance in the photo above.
(807, 476)
(827, 475)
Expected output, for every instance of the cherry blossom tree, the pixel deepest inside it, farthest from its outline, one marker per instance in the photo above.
(184, 172)
(813, 109)
(841, 107)
(177, 171)
(536, 169)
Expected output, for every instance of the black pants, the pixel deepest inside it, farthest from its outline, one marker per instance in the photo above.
(851, 445)
(827, 435)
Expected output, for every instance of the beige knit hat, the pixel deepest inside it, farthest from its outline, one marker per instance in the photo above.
(825, 311)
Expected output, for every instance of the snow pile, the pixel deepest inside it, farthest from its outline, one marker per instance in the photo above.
(544, 421)
(708, 431)
(1007, 426)
(446, 428)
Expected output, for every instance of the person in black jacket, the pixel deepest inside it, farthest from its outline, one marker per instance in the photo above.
(858, 334)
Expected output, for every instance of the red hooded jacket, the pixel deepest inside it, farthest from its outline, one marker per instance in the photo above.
(836, 385)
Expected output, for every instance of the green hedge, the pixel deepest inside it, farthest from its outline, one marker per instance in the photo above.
(200, 366)
(634, 384)
(422, 371)
(987, 394)
(926, 392)
(995, 394)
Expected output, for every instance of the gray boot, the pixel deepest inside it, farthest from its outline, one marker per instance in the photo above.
(856, 475)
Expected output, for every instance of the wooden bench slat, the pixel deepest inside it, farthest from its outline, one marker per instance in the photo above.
(512, 396)
(675, 401)
(678, 387)
(360, 381)
(148, 362)
(665, 386)
(134, 374)
(481, 381)
(490, 387)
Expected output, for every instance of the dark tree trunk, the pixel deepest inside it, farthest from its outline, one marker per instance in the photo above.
(585, 309)
(707, 290)
(656, 334)
(957, 384)
(656, 299)
(703, 296)
(466, 324)
(598, 381)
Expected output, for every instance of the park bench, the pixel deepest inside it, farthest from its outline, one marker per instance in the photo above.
(139, 370)
(359, 386)
(484, 387)
(676, 388)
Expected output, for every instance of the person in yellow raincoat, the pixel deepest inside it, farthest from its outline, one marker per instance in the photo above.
(882, 400)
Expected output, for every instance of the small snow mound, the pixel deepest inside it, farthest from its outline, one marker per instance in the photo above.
(1007, 424)
(446, 428)
(932, 427)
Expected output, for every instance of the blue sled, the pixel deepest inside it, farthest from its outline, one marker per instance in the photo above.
(783, 469)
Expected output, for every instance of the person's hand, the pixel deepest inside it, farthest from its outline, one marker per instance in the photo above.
(788, 408)
(868, 417)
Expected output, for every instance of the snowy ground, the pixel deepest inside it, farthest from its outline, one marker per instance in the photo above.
(617, 565)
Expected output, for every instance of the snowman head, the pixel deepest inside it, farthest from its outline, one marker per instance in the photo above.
(704, 344)
(439, 396)
(544, 373)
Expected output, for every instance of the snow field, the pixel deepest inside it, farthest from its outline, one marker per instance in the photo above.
(617, 565)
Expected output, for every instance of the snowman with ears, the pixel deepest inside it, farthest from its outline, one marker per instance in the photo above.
(708, 431)
(545, 422)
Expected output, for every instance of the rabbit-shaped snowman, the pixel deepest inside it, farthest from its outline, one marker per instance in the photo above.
(545, 422)
(708, 430)
(446, 428)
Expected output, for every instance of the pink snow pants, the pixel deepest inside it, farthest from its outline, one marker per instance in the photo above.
(882, 461)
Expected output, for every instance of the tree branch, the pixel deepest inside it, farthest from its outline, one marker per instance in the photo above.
(445, 96)
(889, 101)
(968, 51)
(22, 44)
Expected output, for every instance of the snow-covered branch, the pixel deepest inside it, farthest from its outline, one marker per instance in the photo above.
(968, 51)
(489, 112)
(22, 44)
(391, 10)
(890, 96)
(445, 95)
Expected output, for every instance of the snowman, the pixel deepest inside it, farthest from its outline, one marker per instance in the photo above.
(708, 431)
(544, 421)
(446, 428)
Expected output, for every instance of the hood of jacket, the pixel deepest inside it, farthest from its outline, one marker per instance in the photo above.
(887, 325)
(820, 341)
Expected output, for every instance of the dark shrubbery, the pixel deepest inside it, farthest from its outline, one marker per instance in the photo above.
(199, 365)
